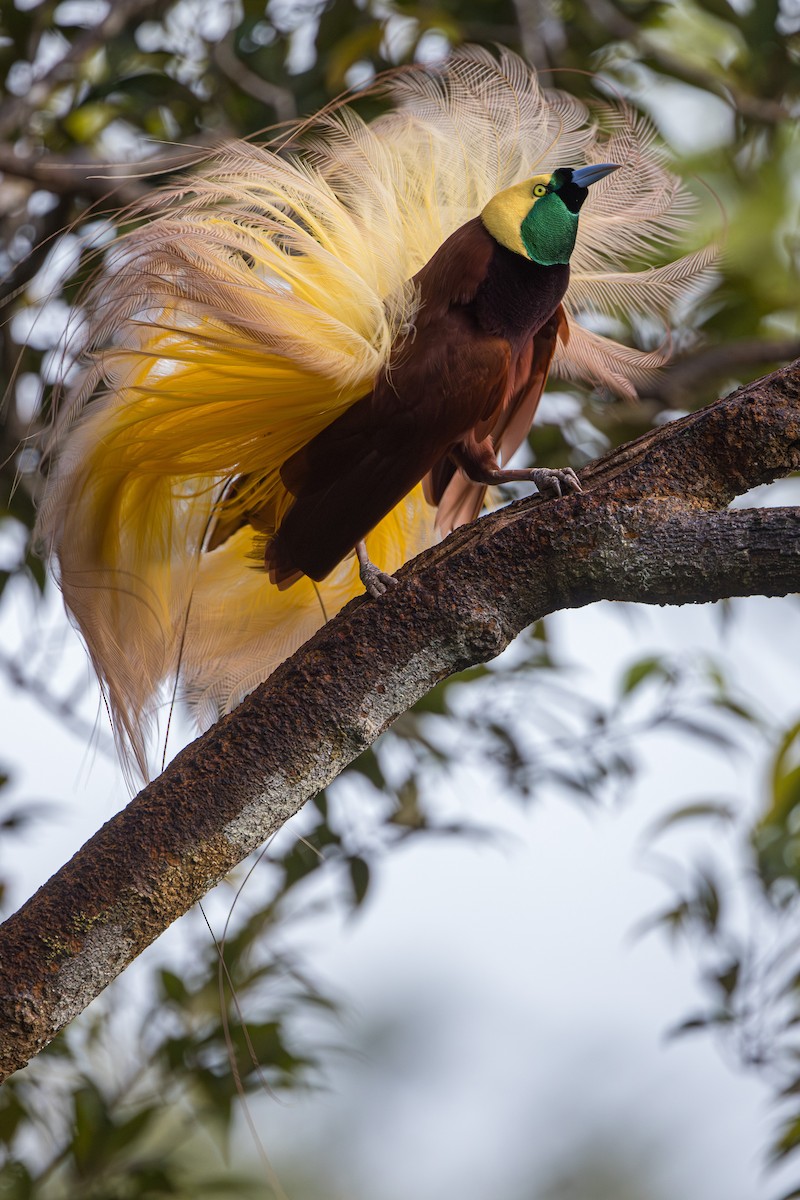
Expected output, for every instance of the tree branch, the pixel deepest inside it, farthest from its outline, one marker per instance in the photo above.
(684, 377)
(650, 527)
(224, 57)
(117, 183)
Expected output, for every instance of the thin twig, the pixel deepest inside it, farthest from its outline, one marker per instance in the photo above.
(227, 61)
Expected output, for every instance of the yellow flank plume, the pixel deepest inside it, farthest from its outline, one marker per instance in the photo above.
(256, 303)
(236, 636)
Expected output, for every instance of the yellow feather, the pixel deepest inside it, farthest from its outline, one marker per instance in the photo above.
(236, 635)
(260, 300)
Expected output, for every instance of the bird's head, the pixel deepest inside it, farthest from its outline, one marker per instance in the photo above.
(539, 217)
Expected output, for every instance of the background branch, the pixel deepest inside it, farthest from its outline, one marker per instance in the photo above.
(677, 386)
(224, 57)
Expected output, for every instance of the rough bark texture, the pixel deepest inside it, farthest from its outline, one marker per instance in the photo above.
(650, 527)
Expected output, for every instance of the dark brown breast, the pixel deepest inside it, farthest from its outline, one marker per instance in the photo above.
(517, 296)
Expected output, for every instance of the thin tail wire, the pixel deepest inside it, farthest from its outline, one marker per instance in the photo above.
(223, 973)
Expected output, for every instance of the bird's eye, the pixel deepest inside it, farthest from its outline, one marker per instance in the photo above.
(539, 190)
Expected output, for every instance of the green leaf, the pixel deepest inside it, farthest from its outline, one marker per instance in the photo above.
(17, 1182)
(12, 1114)
(786, 776)
(126, 1134)
(92, 1124)
(367, 765)
(699, 1022)
(728, 979)
(640, 672)
(435, 702)
(789, 1140)
(359, 878)
(776, 837)
(701, 730)
(690, 1025)
(735, 708)
(718, 810)
(86, 122)
(706, 905)
(174, 987)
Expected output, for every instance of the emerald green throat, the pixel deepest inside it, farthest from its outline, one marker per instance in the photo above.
(549, 230)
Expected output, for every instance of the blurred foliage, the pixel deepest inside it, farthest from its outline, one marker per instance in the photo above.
(142, 1099)
(117, 1108)
(132, 1103)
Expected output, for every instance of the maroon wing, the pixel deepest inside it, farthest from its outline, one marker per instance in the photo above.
(443, 379)
(458, 499)
(354, 472)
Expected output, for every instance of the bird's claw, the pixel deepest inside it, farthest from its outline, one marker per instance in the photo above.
(555, 483)
(376, 582)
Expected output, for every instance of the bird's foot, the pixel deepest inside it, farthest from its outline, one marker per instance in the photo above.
(376, 582)
(554, 483)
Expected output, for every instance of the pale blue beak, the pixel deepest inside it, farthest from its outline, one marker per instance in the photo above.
(585, 176)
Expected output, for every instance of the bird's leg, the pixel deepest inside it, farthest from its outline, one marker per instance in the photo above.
(550, 481)
(479, 463)
(375, 581)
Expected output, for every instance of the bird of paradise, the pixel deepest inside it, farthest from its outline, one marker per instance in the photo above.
(304, 367)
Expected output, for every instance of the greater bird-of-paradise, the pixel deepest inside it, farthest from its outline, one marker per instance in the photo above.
(336, 348)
